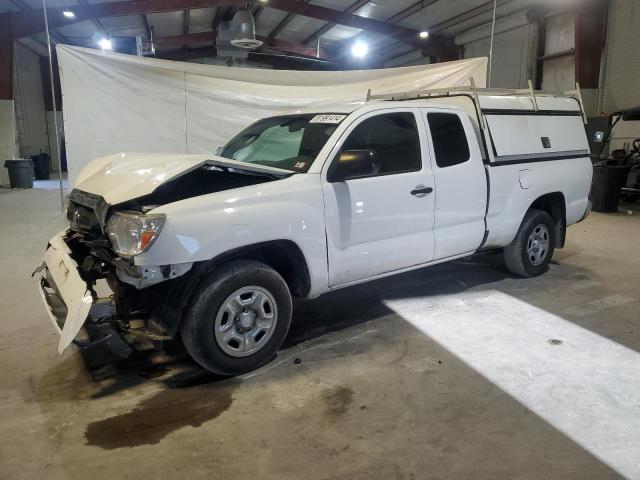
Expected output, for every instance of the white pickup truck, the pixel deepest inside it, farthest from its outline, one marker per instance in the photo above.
(215, 247)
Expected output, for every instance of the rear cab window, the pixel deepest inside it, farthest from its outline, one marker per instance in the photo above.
(449, 139)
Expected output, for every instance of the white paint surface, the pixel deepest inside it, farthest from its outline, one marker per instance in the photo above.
(586, 387)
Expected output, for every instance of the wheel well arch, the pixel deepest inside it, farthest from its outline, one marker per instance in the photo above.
(555, 205)
(284, 256)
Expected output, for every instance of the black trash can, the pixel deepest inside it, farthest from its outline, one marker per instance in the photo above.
(20, 173)
(41, 166)
(608, 179)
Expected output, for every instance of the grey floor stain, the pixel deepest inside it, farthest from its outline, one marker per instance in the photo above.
(157, 416)
(338, 400)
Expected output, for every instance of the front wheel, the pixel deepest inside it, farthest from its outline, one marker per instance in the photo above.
(239, 317)
(530, 252)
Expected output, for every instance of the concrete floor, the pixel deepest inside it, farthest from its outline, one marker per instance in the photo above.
(457, 371)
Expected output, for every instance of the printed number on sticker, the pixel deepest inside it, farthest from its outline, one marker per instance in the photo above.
(327, 118)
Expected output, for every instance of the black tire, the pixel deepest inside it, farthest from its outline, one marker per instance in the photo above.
(516, 256)
(198, 326)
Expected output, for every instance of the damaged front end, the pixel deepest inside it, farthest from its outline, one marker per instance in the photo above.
(100, 246)
(77, 259)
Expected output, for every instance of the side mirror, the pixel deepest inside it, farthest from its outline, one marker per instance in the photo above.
(354, 164)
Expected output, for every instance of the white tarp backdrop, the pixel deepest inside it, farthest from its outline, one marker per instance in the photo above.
(122, 103)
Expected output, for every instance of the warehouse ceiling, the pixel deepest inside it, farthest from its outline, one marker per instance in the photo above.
(313, 31)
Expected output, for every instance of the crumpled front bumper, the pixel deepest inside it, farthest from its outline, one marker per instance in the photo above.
(64, 293)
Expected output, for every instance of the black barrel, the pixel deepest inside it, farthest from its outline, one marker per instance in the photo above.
(605, 189)
(41, 166)
(20, 173)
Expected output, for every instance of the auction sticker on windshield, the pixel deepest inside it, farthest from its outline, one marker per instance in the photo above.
(327, 118)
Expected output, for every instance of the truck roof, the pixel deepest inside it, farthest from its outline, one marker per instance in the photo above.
(342, 108)
(487, 101)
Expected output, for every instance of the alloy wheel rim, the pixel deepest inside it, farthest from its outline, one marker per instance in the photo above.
(538, 244)
(246, 321)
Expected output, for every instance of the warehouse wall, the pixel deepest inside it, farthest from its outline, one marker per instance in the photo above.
(7, 137)
(512, 55)
(31, 121)
(620, 74)
(559, 73)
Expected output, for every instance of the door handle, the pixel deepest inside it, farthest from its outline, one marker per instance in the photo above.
(421, 191)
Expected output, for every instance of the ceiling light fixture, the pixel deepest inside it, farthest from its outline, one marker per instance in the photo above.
(69, 14)
(423, 33)
(359, 49)
(105, 44)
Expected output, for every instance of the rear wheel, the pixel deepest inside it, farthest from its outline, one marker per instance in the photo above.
(238, 319)
(530, 252)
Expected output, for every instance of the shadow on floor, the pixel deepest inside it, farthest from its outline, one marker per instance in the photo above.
(332, 312)
(345, 308)
(470, 411)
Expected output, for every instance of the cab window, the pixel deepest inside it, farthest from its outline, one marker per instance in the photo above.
(449, 139)
(394, 137)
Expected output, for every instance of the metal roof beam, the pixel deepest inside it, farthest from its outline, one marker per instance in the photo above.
(324, 29)
(56, 36)
(32, 22)
(203, 38)
(407, 35)
(96, 21)
(28, 23)
(276, 60)
(452, 22)
(274, 33)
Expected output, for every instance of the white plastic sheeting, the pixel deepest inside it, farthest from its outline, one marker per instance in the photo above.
(122, 103)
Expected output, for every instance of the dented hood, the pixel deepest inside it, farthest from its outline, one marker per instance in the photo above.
(125, 176)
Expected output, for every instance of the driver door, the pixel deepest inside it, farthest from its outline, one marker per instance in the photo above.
(381, 223)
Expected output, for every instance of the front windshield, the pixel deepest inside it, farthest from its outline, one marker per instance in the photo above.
(290, 142)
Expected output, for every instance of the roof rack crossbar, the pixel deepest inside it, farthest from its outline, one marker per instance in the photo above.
(426, 93)
(476, 98)
(475, 92)
(533, 95)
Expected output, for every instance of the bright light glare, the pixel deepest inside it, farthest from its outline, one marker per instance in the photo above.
(105, 44)
(360, 49)
(69, 14)
(585, 386)
(423, 34)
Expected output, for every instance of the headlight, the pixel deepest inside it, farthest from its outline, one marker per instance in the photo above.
(132, 233)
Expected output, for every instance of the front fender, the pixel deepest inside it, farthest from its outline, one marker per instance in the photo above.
(201, 228)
